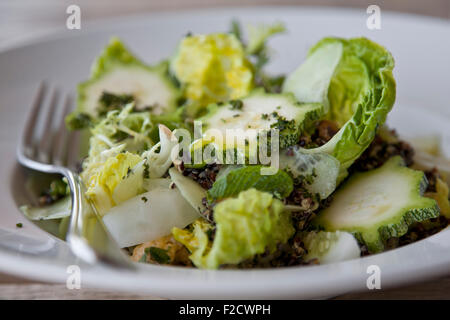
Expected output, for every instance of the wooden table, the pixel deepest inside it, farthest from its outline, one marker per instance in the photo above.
(20, 17)
(17, 288)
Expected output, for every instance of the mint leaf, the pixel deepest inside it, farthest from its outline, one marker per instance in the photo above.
(235, 181)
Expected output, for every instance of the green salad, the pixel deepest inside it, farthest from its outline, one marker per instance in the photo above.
(205, 160)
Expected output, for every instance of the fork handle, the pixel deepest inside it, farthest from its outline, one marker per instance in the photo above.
(87, 236)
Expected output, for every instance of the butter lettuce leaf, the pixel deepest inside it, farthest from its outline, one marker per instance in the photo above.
(259, 34)
(353, 80)
(195, 238)
(212, 68)
(116, 171)
(245, 226)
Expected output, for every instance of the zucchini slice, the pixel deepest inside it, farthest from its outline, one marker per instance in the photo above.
(117, 71)
(263, 111)
(379, 204)
(330, 247)
(318, 171)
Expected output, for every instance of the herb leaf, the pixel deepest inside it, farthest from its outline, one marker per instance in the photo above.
(158, 254)
(236, 104)
(236, 29)
(78, 120)
(237, 180)
(109, 102)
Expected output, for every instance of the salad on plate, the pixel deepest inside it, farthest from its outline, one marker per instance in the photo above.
(205, 160)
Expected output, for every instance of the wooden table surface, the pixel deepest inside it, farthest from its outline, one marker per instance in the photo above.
(24, 17)
(17, 288)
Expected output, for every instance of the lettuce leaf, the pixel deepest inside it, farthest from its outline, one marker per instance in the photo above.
(212, 68)
(195, 238)
(129, 131)
(126, 127)
(116, 171)
(259, 34)
(354, 82)
(259, 53)
(245, 226)
(99, 152)
(279, 184)
(57, 210)
(112, 173)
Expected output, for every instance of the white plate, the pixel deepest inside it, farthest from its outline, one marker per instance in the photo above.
(422, 52)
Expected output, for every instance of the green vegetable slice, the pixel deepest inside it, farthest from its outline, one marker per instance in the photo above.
(119, 72)
(318, 171)
(330, 247)
(262, 111)
(379, 204)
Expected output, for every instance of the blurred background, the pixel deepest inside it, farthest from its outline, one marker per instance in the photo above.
(25, 18)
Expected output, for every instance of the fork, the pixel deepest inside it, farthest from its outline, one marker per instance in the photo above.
(51, 151)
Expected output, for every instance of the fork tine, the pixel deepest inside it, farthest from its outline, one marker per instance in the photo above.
(73, 153)
(60, 145)
(29, 148)
(47, 137)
